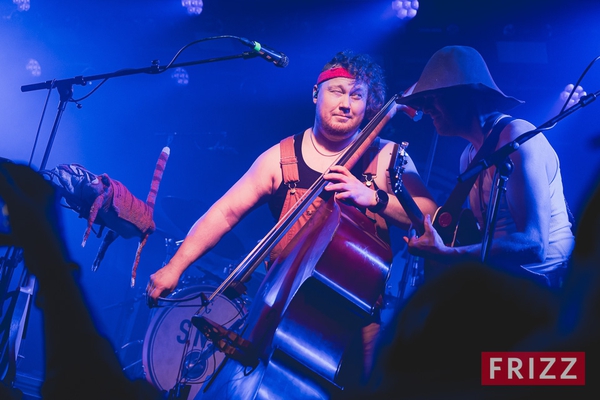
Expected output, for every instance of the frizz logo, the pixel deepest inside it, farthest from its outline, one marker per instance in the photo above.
(533, 368)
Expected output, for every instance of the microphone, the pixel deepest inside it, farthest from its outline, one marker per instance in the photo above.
(412, 113)
(274, 56)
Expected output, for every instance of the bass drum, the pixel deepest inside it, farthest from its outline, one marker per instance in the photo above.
(175, 351)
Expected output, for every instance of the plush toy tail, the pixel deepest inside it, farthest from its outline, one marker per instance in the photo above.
(108, 239)
(102, 184)
(151, 201)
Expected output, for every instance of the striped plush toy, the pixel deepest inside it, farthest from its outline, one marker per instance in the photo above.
(108, 203)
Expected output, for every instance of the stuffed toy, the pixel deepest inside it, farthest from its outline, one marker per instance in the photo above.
(108, 203)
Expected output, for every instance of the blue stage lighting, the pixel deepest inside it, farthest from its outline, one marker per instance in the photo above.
(194, 7)
(405, 9)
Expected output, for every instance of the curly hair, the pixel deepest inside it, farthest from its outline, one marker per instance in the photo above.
(365, 70)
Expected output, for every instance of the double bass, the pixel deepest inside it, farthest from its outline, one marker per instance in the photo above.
(302, 338)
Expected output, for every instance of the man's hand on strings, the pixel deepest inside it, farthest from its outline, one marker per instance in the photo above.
(348, 187)
(428, 245)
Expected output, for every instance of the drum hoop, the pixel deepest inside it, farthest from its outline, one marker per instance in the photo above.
(157, 317)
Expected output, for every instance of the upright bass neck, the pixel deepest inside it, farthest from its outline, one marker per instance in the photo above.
(348, 159)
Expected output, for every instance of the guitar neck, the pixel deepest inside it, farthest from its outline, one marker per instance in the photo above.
(412, 209)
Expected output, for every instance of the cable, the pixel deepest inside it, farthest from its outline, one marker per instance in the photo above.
(577, 84)
(160, 70)
(37, 134)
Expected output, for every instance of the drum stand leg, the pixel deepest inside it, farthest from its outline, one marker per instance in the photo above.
(179, 392)
(128, 369)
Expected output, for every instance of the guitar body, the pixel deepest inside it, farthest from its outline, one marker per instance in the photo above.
(458, 229)
(462, 231)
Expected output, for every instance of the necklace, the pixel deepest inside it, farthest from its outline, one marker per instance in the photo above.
(312, 140)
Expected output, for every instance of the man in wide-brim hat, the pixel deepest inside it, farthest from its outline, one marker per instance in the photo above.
(533, 231)
(471, 308)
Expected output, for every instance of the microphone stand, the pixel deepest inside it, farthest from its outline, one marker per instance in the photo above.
(502, 173)
(65, 87)
(500, 159)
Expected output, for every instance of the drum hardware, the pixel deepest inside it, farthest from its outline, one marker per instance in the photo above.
(211, 274)
(183, 370)
(135, 363)
(171, 245)
(184, 213)
(179, 392)
(12, 326)
(201, 296)
(247, 287)
(227, 341)
(175, 353)
(128, 316)
(208, 275)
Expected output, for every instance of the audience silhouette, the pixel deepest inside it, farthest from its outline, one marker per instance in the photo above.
(79, 362)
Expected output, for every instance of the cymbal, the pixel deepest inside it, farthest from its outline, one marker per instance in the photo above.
(184, 213)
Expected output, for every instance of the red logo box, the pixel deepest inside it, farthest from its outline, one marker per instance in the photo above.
(533, 368)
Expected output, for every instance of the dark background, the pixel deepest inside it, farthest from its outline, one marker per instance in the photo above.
(231, 111)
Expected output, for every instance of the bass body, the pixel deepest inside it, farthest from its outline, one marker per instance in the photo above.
(308, 314)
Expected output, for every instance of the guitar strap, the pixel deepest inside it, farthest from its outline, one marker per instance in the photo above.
(453, 205)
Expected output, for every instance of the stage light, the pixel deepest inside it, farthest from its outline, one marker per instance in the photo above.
(194, 7)
(578, 93)
(22, 5)
(34, 67)
(559, 104)
(180, 76)
(405, 9)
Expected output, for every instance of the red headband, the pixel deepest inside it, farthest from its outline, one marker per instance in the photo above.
(337, 72)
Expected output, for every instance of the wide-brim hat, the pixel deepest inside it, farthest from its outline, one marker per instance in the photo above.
(456, 67)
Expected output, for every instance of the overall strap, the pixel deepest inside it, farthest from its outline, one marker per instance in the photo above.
(289, 163)
(370, 162)
(370, 172)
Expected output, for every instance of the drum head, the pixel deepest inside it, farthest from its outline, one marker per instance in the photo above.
(175, 351)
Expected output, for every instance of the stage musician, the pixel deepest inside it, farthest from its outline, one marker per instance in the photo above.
(532, 235)
(349, 90)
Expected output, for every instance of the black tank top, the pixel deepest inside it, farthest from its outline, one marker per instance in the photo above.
(307, 177)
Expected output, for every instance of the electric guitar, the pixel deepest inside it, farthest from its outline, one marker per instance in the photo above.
(455, 225)
(413, 269)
